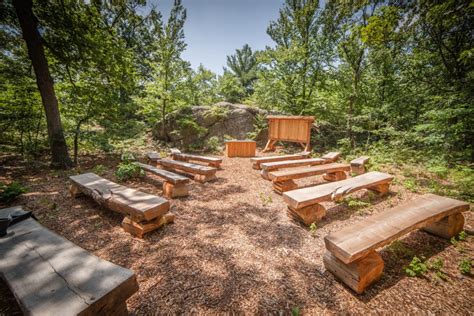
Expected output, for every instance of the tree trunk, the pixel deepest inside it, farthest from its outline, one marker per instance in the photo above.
(29, 26)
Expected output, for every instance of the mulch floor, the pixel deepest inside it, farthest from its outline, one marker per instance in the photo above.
(233, 248)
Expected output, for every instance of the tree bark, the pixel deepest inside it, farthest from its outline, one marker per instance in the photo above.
(29, 26)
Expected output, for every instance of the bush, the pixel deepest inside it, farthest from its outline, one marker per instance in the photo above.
(127, 170)
(9, 192)
(465, 266)
(213, 144)
(99, 169)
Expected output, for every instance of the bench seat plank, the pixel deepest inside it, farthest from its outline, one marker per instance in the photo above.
(187, 167)
(291, 174)
(49, 275)
(118, 198)
(357, 240)
(259, 160)
(165, 174)
(334, 190)
(197, 158)
(269, 166)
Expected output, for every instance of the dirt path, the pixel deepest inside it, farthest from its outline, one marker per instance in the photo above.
(233, 248)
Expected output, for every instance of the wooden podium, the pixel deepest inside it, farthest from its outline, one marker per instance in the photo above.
(295, 129)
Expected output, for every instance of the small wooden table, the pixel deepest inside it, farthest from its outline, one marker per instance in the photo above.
(240, 148)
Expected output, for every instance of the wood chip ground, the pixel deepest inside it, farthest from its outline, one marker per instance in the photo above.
(232, 248)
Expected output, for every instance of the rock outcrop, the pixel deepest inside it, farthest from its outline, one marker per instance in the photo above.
(194, 126)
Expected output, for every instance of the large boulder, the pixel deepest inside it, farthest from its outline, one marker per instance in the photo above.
(194, 126)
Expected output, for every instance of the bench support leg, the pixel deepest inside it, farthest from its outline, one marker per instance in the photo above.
(448, 227)
(264, 174)
(204, 177)
(256, 166)
(357, 275)
(138, 229)
(270, 146)
(308, 214)
(283, 186)
(335, 176)
(174, 190)
(357, 169)
(74, 191)
(381, 189)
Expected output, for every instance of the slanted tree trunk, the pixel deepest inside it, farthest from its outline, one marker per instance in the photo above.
(29, 26)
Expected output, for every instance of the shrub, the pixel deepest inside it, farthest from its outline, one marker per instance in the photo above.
(416, 268)
(213, 144)
(99, 169)
(127, 170)
(465, 266)
(9, 192)
(312, 228)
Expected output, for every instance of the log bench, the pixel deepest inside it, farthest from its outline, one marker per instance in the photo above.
(199, 172)
(153, 157)
(283, 180)
(358, 165)
(174, 185)
(210, 161)
(304, 204)
(352, 255)
(267, 167)
(144, 212)
(49, 275)
(259, 160)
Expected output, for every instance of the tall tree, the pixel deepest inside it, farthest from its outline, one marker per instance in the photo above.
(243, 65)
(29, 26)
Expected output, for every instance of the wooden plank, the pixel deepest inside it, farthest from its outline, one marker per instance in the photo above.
(188, 167)
(269, 166)
(153, 156)
(331, 156)
(359, 239)
(292, 174)
(165, 174)
(191, 157)
(49, 275)
(118, 198)
(332, 191)
(260, 160)
(240, 148)
(358, 164)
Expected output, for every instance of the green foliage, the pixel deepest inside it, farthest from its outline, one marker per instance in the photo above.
(312, 229)
(9, 192)
(416, 268)
(229, 88)
(128, 170)
(213, 144)
(259, 125)
(99, 169)
(216, 112)
(243, 65)
(465, 266)
(295, 311)
(266, 200)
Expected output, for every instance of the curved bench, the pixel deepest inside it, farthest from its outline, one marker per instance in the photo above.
(50, 275)
(351, 254)
(304, 204)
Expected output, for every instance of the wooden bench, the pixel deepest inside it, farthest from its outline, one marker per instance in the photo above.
(259, 160)
(174, 185)
(358, 164)
(153, 157)
(267, 167)
(283, 180)
(144, 212)
(200, 173)
(49, 275)
(352, 255)
(303, 204)
(210, 161)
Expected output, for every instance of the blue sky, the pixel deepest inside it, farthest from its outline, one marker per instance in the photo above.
(215, 28)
